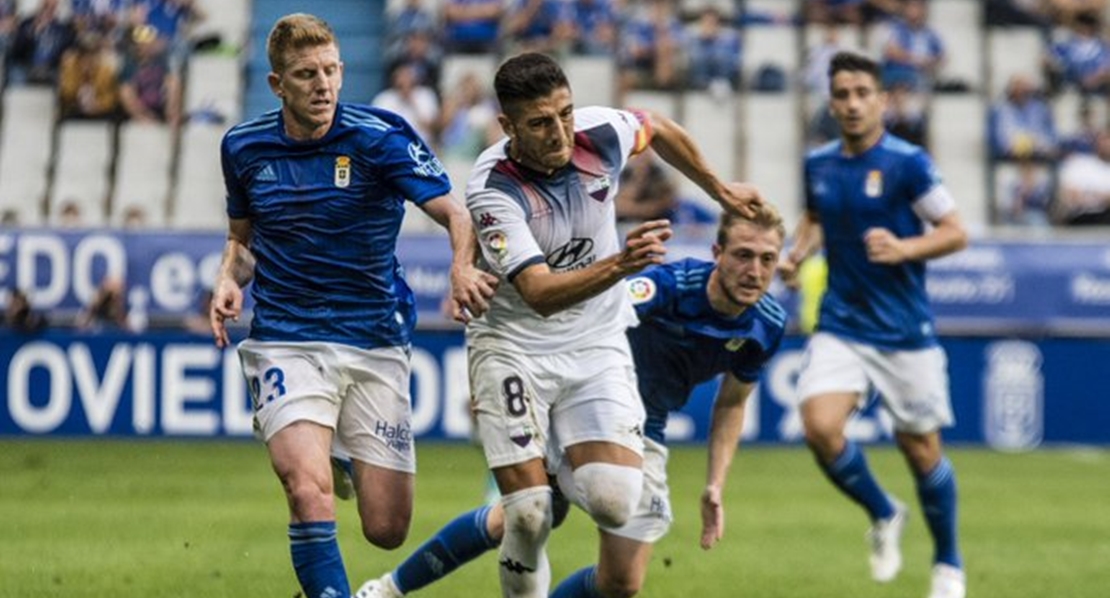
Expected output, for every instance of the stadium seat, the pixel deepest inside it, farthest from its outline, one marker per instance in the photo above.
(82, 169)
(593, 79)
(230, 19)
(214, 83)
(199, 201)
(25, 151)
(711, 122)
(143, 167)
(772, 150)
(958, 142)
(1010, 51)
(770, 45)
(960, 26)
(457, 65)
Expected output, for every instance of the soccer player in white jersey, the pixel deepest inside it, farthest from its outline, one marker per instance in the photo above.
(316, 192)
(549, 364)
(881, 211)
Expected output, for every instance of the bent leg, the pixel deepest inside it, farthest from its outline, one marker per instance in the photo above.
(619, 573)
(385, 498)
(606, 481)
(936, 490)
(526, 500)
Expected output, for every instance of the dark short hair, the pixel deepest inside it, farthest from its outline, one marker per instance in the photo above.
(852, 62)
(526, 77)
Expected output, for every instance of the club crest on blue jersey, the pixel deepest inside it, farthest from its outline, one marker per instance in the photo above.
(641, 289)
(343, 171)
(427, 165)
(874, 186)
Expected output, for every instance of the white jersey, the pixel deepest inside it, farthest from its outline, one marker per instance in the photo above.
(567, 220)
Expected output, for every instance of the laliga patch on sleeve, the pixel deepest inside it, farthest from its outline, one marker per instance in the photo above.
(641, 289)
(497, 243)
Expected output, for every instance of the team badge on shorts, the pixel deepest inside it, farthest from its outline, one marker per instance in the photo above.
(641, 289)
(522, 436)
(342, 171)
(874, 186)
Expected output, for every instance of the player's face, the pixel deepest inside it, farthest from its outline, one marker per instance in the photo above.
(541, 132)
(746, 262)
(857, 104)
(309, 89)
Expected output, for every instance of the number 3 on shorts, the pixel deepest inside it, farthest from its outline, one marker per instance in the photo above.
(274, 380)
(515, 402)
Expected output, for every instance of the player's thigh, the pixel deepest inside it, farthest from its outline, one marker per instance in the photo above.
(831, 384)
(375, 422)
(602, 402)
(510, 405)
(385, 496)
(914, 387)
(290, 382)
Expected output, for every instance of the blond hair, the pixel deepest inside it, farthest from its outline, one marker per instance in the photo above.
(767, 217)
(293, 32)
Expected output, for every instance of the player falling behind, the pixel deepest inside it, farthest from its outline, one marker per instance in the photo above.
(316, 194)
(697, 320)
(869, 199)
(549, 363)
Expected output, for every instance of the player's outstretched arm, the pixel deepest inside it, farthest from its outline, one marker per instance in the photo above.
(807, 239)
(726, 423)
(471, 288)
(236, 271)
(677, 148)
(550, 292)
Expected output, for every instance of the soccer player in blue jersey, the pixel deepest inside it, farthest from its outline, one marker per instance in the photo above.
(880, 209)
(549, 363)
(315, 197)
(698, 319)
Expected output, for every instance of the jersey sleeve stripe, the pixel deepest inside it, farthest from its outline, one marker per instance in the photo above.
(538, 259)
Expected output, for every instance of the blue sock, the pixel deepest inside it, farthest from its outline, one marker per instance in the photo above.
(581, 584)
(317, 561)
(851, 474)
(937, 493)
(458, 543)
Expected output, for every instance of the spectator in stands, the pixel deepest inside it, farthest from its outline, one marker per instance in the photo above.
(1026, 199)
(1021, 124)
(849, 12)
(1084, 196)
(98, 17)
(595, 27)
(468, 122)
(9, 218)
(69, 215)
(1085, 138)
(1081, 58)
(905, 115)
(472, 26)
(645, 192)
(37, 48)
(134, 218)
(713, 54)
(9, 21)
(416, 103)
(1067, 12)
(107, 309)
(419, 52)
(87, 83)
(539, 26)
(174, 21)
(150, 90)
(649, 54)
(913, 52)
(412, 17)
(20, 317)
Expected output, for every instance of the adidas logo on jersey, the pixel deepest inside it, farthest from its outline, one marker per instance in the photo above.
(266, 175)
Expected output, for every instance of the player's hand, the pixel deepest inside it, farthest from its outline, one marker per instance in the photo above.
(644, 246)
(788, 272)
(712, 517)
(883, 247)
(471, 290)
(227, 303)
(741, 198)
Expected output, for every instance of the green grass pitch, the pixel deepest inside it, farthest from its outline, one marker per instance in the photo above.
(152, 519)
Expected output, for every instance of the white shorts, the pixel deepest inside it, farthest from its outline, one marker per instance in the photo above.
(652, 518)
(528, 405)
(361, 394)
(912, 384)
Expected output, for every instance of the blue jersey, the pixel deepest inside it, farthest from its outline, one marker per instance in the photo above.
(682, 341)
(325, 215)
(884, 187)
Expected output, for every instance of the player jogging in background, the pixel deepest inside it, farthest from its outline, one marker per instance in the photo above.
(549, 363)
(698, 320)
(880, 209)
(315, 196)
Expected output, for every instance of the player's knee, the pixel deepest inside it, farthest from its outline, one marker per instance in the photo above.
(527, 513)
(608, 492)
(386, 533)
(310, 498)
